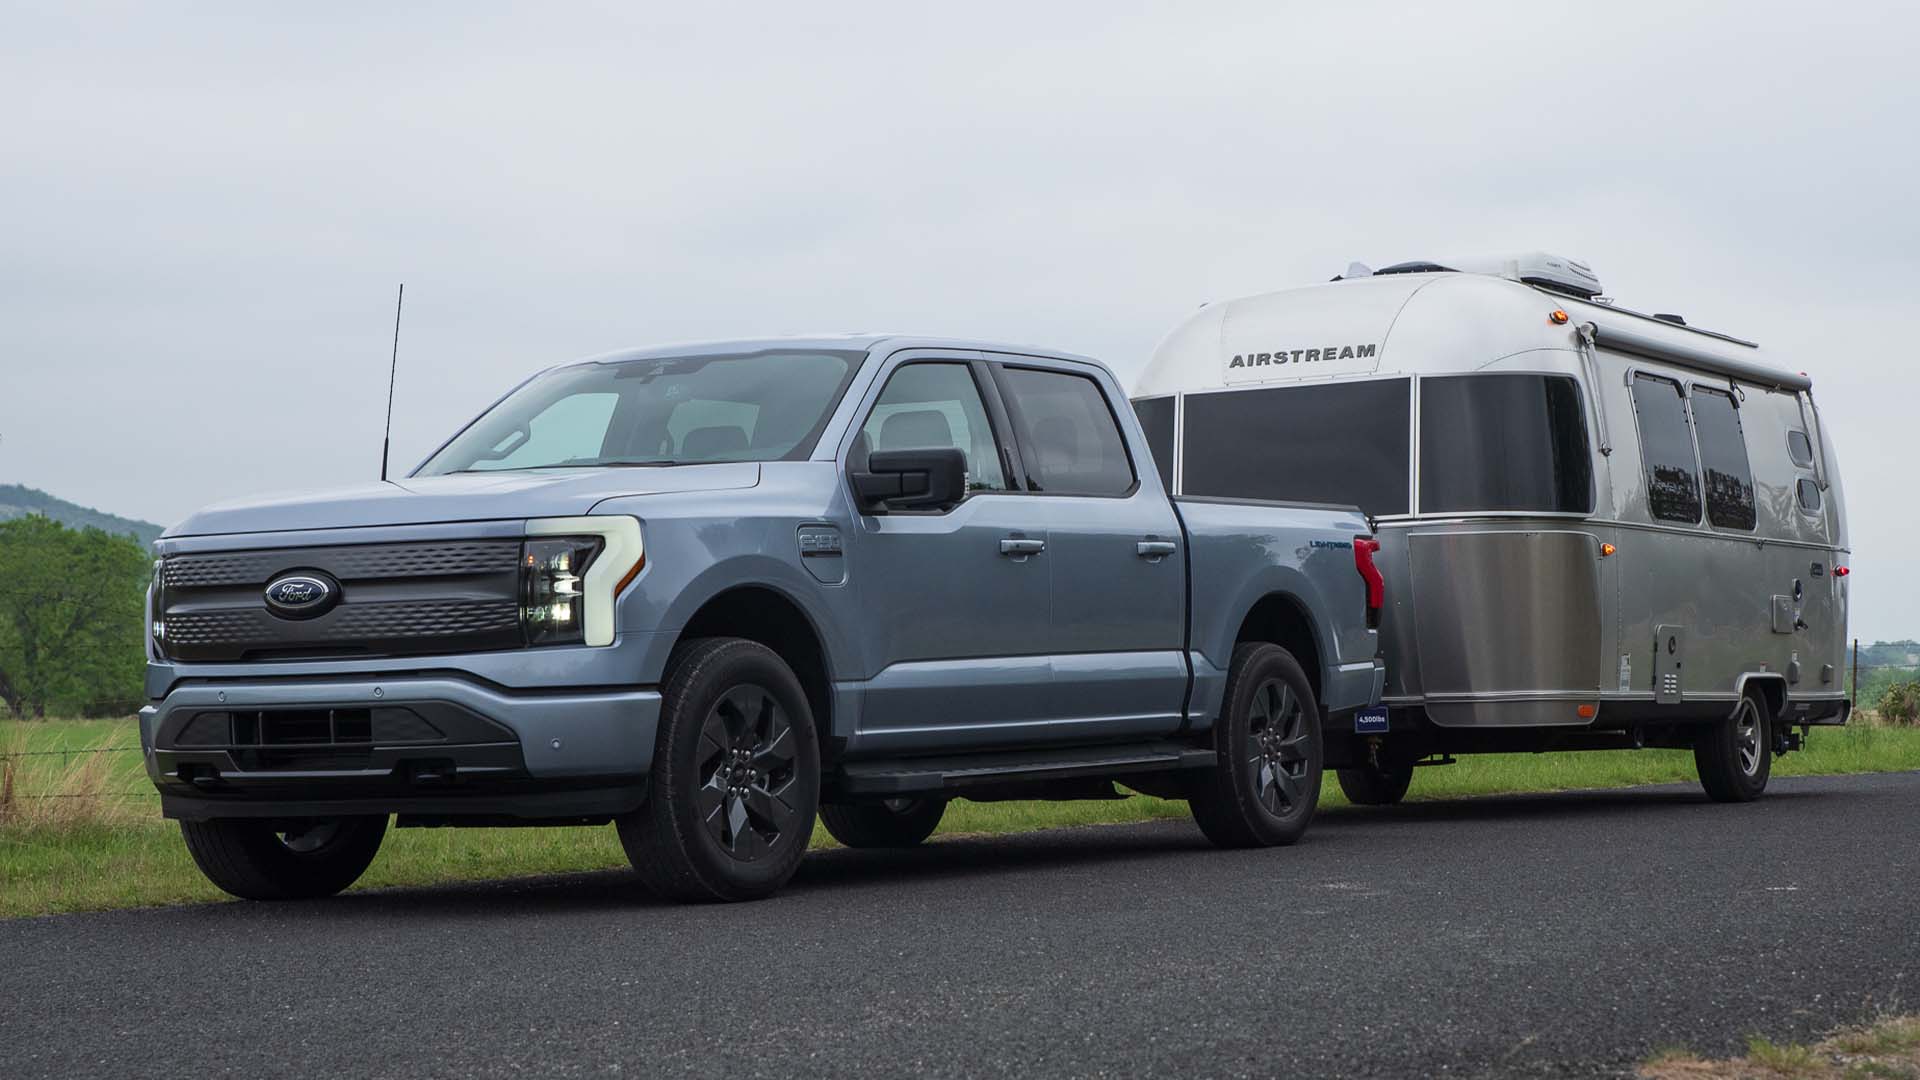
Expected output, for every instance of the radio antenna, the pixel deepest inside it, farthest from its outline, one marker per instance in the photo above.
(393, 369)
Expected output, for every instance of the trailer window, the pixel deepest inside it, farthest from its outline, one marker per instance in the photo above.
(1723, 459)
(1156, 419)
(1809, 496)
(1799, 448)
(1666, 446)
(1344, 443)
(1504, 442)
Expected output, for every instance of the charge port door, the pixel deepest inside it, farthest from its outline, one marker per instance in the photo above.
(1668, 650)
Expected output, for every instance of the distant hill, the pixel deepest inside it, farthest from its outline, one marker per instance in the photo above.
(17, 501)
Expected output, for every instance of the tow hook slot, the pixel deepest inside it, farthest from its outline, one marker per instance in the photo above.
(430, 772)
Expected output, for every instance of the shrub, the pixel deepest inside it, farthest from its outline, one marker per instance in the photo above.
(1901, 704)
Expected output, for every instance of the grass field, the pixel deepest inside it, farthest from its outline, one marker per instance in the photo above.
(82, 831)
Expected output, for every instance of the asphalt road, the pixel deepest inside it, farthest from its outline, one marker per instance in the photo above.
(1537, 935)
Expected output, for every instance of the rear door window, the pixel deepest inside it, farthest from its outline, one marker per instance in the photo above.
(1342, 443)
(1723, 459)
(1068, 437)
(1666, 447)
(1504, 442)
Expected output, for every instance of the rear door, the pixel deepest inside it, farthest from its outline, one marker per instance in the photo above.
(1118, 574)
(954, 603)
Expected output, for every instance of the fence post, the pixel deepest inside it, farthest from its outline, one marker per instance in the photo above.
(1854, 701)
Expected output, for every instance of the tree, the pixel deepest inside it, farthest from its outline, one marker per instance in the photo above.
(71, 616)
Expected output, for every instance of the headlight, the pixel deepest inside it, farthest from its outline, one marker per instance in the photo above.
(572, 570)
(552, 594)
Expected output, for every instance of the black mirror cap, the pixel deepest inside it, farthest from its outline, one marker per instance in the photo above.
(912, 479)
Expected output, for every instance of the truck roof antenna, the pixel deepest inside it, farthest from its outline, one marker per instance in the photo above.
(393, 368)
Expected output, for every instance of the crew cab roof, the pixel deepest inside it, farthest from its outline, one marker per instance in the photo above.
(863, 342)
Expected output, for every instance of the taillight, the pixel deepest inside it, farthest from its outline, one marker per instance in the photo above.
(1841, 571)
(1363, 550)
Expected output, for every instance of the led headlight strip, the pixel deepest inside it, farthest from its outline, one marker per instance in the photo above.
(617, 563)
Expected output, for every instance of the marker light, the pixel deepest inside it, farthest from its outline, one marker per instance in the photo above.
(1607, 549)
(1841, 571)
(1587, 712)
(1557, 317)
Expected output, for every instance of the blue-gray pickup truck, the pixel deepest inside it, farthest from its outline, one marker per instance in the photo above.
(706, 593)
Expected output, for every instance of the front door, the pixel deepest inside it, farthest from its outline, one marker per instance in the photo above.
(954, 603)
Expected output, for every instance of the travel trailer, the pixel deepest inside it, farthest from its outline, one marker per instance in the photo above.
(1599, 528)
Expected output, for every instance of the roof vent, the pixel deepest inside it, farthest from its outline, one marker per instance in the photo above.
(1561, 275)
(1674, 319)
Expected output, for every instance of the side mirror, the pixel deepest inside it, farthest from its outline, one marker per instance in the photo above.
(912, 479)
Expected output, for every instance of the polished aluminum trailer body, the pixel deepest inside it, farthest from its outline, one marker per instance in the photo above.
(1570, 540)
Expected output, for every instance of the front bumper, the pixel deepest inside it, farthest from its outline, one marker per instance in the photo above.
(430, 747)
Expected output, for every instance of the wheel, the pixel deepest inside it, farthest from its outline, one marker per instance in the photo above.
(1263, 788)
(1734, 756)
(1371, 786)
(265, 860)
(736, 777)
(895, 823)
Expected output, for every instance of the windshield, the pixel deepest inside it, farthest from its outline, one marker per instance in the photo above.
(763, 406)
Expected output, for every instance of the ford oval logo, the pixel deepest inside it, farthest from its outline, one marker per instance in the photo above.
(301, 596)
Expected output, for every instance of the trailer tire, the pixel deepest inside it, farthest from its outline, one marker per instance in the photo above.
(268, 860)
(1734, 756)
(1375, 786)
(1265, 782)
(895, 823)
(735, 781)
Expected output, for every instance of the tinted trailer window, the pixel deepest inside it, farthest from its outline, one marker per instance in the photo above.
(1338, 443)
(1666, 445)
(1723, 458)
(1504, 442)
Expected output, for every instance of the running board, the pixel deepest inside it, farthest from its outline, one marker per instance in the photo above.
(911, 775)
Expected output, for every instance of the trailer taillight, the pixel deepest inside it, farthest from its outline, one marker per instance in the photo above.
(1841, 571)
(1363, 550)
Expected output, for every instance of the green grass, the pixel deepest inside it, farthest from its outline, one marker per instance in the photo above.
(93, 852)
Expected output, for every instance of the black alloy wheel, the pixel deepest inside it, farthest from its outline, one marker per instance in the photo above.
(1265, 783)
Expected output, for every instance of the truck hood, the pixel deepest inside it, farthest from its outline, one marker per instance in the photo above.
(462, 497)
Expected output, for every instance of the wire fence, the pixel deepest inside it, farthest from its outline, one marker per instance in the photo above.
(13, 792)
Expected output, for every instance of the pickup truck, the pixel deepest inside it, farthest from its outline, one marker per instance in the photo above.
(706, 593)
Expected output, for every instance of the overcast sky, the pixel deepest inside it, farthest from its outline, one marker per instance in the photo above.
(203, 216)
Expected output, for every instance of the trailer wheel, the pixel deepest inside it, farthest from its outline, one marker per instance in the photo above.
(736, 777)
(293, 860)
(895, 823)
(1371, 786)
(1734, 756)
(1265, 783)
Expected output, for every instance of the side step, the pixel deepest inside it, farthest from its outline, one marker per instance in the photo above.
(909, 775)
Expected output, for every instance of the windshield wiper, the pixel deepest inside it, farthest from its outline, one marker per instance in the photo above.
(578, 465)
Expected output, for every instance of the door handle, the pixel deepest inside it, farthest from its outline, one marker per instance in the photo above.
(1020, 547)
(1155, 549)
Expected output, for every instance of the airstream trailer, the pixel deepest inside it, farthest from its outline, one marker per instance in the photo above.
(1599, 528)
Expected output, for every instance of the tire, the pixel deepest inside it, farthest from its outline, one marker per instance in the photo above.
(895, 823)
(1370, 786)
(735, 781)
(1735, 755)
(1264, 786)
(260, 860)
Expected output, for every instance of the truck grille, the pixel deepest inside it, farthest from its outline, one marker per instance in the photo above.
(399, 599)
